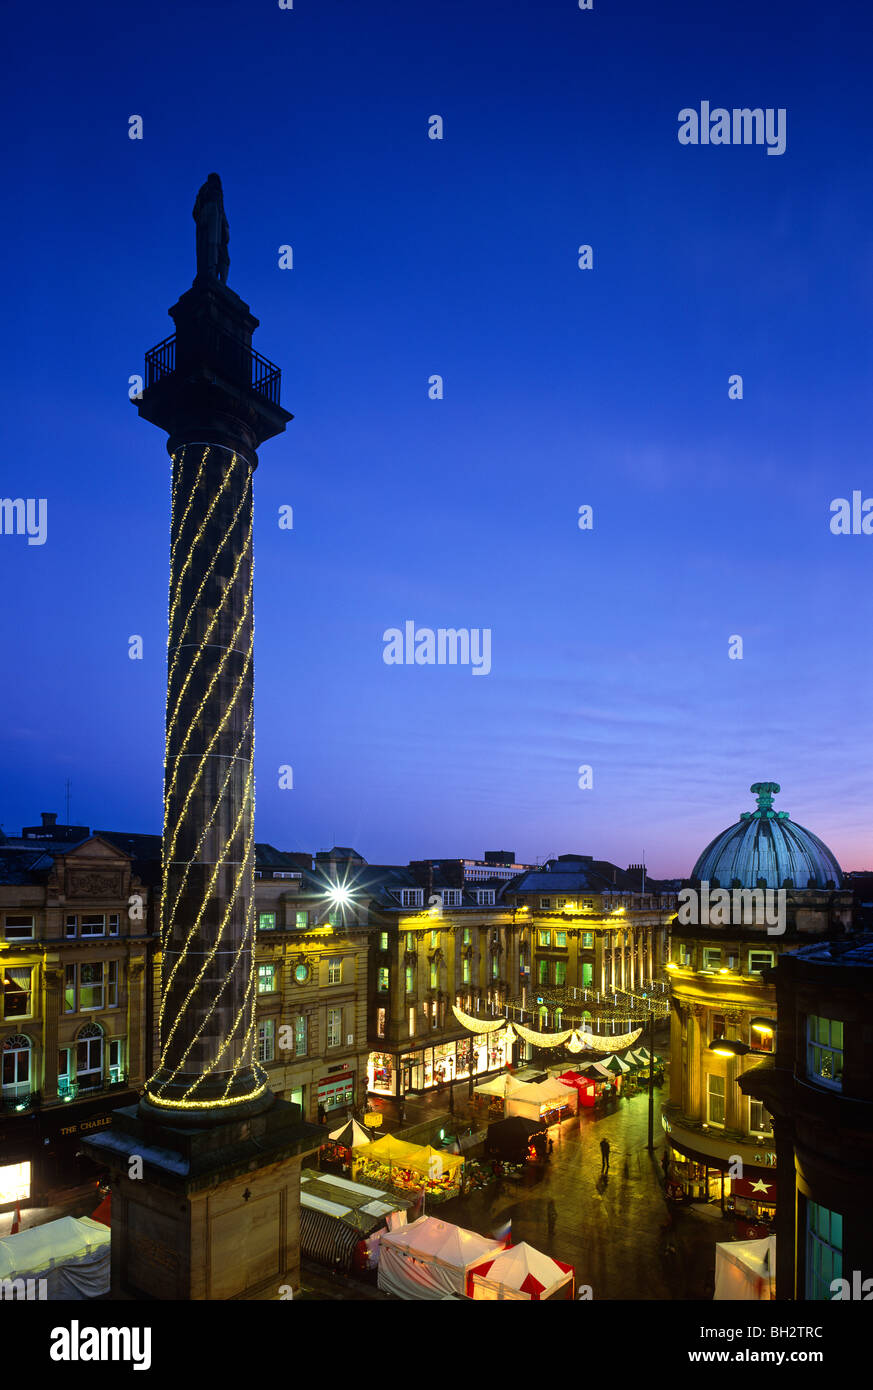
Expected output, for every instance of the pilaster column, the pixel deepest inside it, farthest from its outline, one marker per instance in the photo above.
(53, 981)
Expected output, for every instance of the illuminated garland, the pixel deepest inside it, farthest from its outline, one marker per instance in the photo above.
(229, 603)
(478, 1025)
(576, 1039)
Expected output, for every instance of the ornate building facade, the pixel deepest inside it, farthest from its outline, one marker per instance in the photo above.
(762, 888)
(76, 940)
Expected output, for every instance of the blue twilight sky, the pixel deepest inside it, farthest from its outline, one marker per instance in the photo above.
(562, 387)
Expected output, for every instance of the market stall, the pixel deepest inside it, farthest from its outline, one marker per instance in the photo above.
(514, 1138)
(520, 1273)
(585, 1086)
(745, 1270)
(548, 1101)
(338, 1216)
(341, 1141)
(73, 1256)
(407, 1168)
(430, 1258)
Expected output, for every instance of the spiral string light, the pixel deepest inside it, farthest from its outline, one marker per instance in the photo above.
(206, 1015)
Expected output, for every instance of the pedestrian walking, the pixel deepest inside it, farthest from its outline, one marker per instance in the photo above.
(665, 1164)
(604, 1155)
(551, 1145)
(551, 1217)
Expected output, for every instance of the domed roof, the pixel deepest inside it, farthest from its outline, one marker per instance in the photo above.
(765, 848)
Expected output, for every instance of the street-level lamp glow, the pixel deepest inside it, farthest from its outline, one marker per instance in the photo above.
(672, 965)
(729, 1047)
(765, 1026)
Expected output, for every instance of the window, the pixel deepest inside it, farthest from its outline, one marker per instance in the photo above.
(380, 1023)
(64, 1071)
(560, 904)
(711, 957)
(824, 1252)
(545, 938)
(383, 977)
(685, 957)
(465, 972)
(715, 1098)
(451, 897)
(334, 1027)
(71, 926)
(16, 1067)
(759, 960)
(112, 984)
(17, 985)
(266, 979)
(760, 1121)
(91, 985)
(485, 897)
(587, 973)
(335, 971)
(300, 1039)
(301, 920)
(95, 925)
(717, 1026)
(560, 972)
(495, 967)
(561, 939)
(545, 903)
(113, 924)
(266, 921)
(410, 979)
(69, 989)
(762, 1038)
(434, 975)
(412, 1022)
(301, 973)
(543, 972)
(587, 940)
(410, 941)
(89, 1057)
(824, 1051)
(19, 928)
(466, 936)
(434, 940)
(411, 897)
(335, 917)
(588, 904)
(266, 1040)
(434, 1018)
(116, 1060)
(383, 941)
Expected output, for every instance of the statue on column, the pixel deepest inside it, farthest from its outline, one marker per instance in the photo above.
(213, 233)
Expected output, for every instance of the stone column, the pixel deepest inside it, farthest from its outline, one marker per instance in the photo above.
(53, 977)
(695, 1063)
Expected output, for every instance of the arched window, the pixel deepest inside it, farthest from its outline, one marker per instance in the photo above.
(17, 1052)
(89, 1057)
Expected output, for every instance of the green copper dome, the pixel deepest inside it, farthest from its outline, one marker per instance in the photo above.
(765, 848)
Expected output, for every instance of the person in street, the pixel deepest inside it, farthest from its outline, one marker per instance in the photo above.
(665, 1164)
(604, 1155)
(551, 1216)
(551, 1145)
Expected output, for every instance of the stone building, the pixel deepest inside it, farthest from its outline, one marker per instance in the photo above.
(818, 1086)
(761, 888)
(589, 930)
(76, 939)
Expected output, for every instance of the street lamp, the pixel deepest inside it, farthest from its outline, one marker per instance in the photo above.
(729, 1047)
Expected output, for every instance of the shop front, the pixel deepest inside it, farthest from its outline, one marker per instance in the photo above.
(336, 1089)
(430, 1068)
(62, 1129)
(19, 1157)
(707, 1178)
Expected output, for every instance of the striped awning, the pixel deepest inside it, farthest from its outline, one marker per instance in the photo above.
(327, 1239)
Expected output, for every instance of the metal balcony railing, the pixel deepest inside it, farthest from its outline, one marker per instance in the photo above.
(224, 352)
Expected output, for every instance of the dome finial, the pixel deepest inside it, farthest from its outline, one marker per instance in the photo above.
(766, 791)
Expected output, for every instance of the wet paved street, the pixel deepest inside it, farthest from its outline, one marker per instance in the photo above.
(617, 1230)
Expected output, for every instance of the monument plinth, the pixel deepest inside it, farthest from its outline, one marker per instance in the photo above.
(208, 1126)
